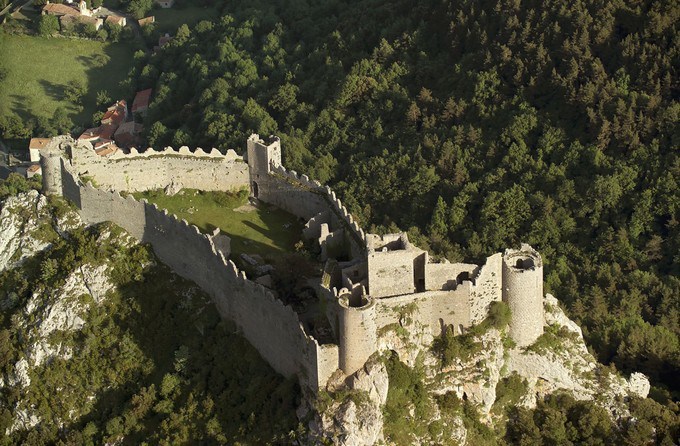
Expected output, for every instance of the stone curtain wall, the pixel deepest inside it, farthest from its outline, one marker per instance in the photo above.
(152, 169)
(272, 328)
(307, 198)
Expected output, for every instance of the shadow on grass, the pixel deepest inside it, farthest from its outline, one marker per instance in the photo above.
(19, 106)
(104, 71)
(53, 90)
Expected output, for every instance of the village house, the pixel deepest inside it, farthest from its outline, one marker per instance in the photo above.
(115, 20)
(146, 20)
(103, 137)
(129, 134)
(68, 15)
(116, 114)
(141, 103)
(33, 170)
(35, 145)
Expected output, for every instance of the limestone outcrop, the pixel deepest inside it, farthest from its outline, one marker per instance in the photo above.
(20, 220)
(48, 313)
(357, 419)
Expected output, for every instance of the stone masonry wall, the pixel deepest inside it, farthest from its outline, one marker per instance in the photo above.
(271, 327)
(155, 170)
(486, 288)
(391, 273)
(442, 276)
(306, 198)
(433, 309)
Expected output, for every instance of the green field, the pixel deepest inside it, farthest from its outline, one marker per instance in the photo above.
(168, 20)
(37, 69)
(264, 230)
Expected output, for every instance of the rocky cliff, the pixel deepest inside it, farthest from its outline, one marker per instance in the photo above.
(487, 372)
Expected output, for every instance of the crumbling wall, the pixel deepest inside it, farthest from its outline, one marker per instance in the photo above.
(447, 276)
(157, 169)
(486, 288)
(306, 198)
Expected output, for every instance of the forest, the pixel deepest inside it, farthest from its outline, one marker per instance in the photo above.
(473, 125)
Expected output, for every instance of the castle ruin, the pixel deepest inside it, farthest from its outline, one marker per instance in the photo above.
(367, 279)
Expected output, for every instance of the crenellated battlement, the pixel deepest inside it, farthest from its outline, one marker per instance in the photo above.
(368, 279)
(183, 151)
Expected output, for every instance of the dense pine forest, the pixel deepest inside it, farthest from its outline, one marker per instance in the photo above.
(474, 125)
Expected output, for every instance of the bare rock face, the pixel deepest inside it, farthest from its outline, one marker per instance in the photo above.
(568, 366)
(639, 384)
(554, 315)
(357, 420)
(373, 380)
(358, 425)
(26, 225)
(20, 218)
(173, 188)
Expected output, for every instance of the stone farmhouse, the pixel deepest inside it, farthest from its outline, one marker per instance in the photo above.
(369, 282)
(69, 14)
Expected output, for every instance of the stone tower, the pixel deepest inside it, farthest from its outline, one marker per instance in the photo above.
(82, 7)
(50, 162)
(523, 292)
(357, 330)
(262, 157)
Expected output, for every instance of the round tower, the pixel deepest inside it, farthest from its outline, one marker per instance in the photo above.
(50, 162)
(357, 331)
(523, 292)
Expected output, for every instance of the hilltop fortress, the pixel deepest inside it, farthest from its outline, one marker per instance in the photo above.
(369, 282)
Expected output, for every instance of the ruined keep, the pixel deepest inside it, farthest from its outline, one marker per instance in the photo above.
(368, 280)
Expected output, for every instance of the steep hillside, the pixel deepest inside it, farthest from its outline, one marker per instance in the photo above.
(474, 125)
(103, 344)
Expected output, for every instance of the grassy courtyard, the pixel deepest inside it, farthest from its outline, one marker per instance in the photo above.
(262, 230)
(36, 69)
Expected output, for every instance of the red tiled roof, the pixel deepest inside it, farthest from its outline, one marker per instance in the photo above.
(38, 143)
(101, 142)
(116, 20)
(113, 117)
(106, 150)
(90, 134)
(146, 20)
(33, 168)
(60, 9)
(141, 100)
(106, 131)
(128, 133)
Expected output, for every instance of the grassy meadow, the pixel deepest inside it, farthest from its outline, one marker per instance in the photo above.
(36, 70)
(262, 230)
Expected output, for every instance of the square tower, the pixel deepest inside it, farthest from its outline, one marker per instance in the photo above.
(263, 155)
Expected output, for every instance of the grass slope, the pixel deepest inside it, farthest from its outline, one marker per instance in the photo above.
(37, 69)
(264, 230)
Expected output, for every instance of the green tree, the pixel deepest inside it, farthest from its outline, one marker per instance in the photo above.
(48, 25)
(103, 98)
(74, 90)
(139, 8)
(438, 223)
